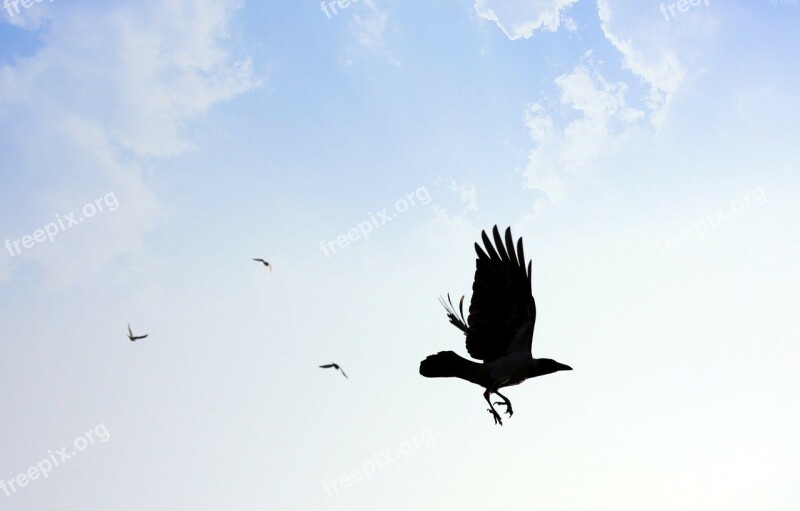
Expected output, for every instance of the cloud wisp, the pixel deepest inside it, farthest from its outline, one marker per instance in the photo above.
(112, 106)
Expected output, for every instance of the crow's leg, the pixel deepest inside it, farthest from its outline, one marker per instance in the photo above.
(505, 403)
(497, 418)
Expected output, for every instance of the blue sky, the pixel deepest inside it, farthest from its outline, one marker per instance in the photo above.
(649, 162)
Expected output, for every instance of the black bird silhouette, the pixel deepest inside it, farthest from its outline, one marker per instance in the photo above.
(335, 366)
(133, 337)
(499, 330)
(265, 263)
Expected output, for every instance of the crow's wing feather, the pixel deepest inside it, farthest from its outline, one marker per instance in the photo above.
(502, 312)
(458, 322)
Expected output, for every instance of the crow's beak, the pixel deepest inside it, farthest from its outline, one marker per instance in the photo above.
(563, 367)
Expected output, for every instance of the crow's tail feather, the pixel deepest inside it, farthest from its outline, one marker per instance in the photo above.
(447, 364)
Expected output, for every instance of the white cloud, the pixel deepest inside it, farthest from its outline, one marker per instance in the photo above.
(522, 18)
(646, 58)
(369, 31)
(643, 46)
(108, 92)
(566, 150)
(467, 193)
(560, 154)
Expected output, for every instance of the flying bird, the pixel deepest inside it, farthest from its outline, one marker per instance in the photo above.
(335, 366)
(267, 264)
(499, 329)
(132, 337)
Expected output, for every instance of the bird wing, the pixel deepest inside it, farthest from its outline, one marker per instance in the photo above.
(458, 321)
(326, 366)
(130, 332)
(140, 337)
(502, 312)
(343, 373)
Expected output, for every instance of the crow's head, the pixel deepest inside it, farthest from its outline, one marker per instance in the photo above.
(547, 366)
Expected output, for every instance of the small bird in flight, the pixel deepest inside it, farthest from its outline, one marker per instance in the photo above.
(335, 366)
(499, 329)
(132, 337)
(265, 263)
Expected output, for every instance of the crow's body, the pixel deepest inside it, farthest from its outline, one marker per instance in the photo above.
(499, 330)
(264, 262)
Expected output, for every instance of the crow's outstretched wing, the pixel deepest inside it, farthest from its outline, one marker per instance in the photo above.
(502, 312)
(334, 366)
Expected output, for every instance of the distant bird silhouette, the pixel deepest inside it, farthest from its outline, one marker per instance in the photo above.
(335, 366)
(499, 330)
(133, 337)
(267, 264)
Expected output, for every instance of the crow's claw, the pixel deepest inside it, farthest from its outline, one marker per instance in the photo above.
(509, 410)
(497, 418)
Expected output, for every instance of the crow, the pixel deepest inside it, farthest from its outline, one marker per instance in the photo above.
(499, 329)
(267, 264)
(335, 366)
(132, 337)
